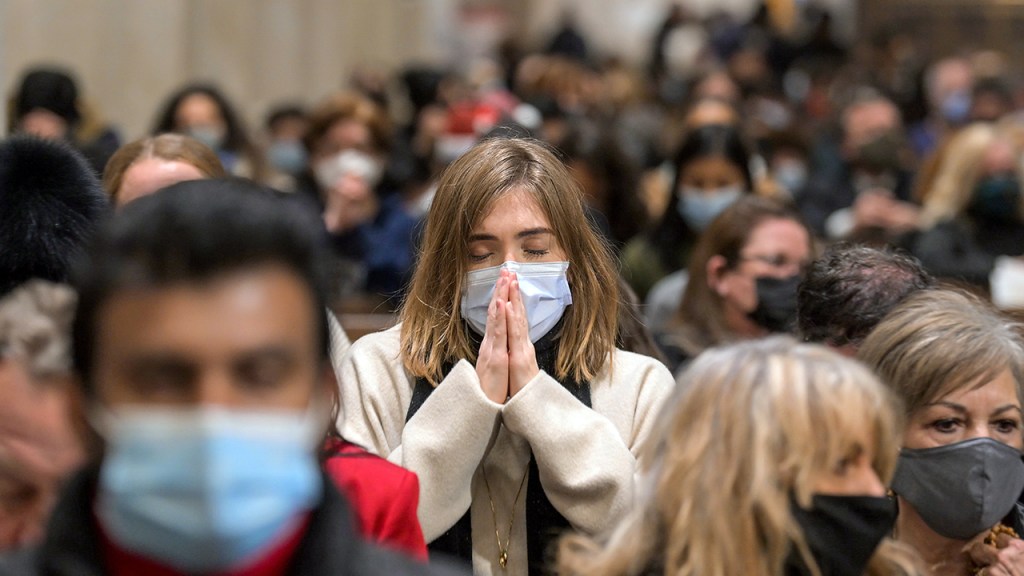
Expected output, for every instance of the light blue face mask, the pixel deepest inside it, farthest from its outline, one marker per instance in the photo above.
(211, 136)
(544, 288)
(288, 156)
(206, 489)
(699, 207)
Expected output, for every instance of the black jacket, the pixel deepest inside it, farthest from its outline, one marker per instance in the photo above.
(330, 546)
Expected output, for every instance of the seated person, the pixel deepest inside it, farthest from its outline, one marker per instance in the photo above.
(149, 164)
(957, 365)
(201, 345)
(743, 279)
(770, 459)
(39, 445)
(850, 289)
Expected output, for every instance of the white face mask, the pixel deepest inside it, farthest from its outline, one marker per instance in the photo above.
(543, 286)
(347, 163)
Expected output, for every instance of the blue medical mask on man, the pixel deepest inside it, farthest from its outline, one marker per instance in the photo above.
(206, 489)
(544, 287)
(699, 207)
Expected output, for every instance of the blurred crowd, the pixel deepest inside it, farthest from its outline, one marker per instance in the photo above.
(590, 265)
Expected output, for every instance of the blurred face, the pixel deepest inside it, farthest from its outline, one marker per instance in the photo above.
(866, 122)
(199, 111)
(243, 340)
(999, 158)
(991, 410)
(777, 248)
(344, 135)
(711, 112)
(44, 124)
(710, 174)
(853, 474)
(148, 175)
(38, 449)
(290, 128)
(515, 229)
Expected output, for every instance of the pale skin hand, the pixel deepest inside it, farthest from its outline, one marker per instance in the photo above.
(877, 208)
(492, 364)
(1005, 559)
(349, 203)
(521, 354)
(507, 360)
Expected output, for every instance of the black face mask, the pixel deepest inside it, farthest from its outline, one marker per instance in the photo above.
(881, 154)
(996, 199)
(842, 533)
(776, 303)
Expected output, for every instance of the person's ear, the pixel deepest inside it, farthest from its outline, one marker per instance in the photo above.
(716, 269)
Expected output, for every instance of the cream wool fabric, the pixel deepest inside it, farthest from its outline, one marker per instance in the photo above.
(587, 458)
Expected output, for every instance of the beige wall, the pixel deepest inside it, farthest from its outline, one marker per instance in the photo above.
(128, 55)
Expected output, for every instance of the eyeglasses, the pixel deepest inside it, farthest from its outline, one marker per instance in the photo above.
(778, 261)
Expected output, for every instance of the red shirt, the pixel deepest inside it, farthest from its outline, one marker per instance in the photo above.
(384, 496)
(273, 563)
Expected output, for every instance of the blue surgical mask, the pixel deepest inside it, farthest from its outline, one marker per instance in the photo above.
(543, 286)
(206, 489)
(956, 107)
(211, 136)
(288, 156)
(699, 207)
(792, 176)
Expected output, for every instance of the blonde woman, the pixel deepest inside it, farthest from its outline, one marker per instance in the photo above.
(148, 164)
(958, 366)
(502, 387)
(771, 459)
(973, 211)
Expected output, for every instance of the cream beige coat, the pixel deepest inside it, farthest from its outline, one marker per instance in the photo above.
(587, 458)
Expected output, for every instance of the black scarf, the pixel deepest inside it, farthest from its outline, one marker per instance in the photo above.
(544, 524)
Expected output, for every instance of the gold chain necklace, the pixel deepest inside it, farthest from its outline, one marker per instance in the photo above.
(503, 552)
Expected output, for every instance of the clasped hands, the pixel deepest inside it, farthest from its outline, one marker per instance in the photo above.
(1004, 558)
(507, 360)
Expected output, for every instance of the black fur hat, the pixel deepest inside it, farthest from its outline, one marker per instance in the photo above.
(50, 202)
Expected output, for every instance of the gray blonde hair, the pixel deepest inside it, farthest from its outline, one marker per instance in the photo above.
(959, 172)
(751, 427)
(35, 327)
(938, 341)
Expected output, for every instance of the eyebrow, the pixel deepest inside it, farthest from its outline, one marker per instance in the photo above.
(963, 409)
(951, 405)
(1006, 408)
(519, 236)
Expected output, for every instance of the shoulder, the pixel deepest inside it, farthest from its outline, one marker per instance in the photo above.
(352, 467)
(637, 364)
(385, 345)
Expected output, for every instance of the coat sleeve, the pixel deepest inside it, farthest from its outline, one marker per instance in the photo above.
(586, 466)
(443, 443)
(401, 527)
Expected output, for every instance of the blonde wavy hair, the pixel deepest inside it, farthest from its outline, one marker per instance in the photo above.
(751, 427)
(940, 341)
(433, 331)
(958, 171)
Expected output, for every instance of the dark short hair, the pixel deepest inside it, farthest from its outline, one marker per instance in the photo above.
(851, 288)
(192, 232)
